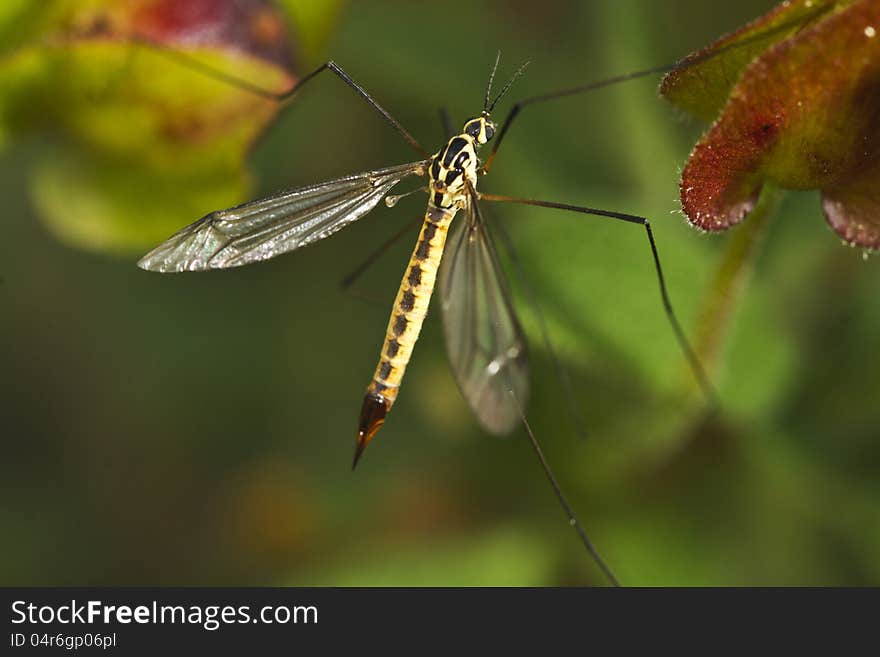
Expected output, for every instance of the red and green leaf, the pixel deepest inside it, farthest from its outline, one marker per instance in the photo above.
(803, 114)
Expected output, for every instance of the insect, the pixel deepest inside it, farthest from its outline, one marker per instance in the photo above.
(485, 340)
(455, 252)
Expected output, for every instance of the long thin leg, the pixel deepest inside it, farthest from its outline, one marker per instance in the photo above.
(517, 107)
(686, 348)
(569, 511)
(195, 64)
(448, 129)
(371, 259)
(599, 84)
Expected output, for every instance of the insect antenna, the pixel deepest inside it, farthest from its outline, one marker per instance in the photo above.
(507, 86)
(491, 79)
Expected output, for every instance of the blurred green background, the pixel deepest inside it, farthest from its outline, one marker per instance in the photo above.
(198, 429)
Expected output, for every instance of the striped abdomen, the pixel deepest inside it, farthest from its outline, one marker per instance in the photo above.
(407, 316)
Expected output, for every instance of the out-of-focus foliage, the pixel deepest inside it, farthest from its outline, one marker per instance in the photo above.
(136, 141)
(313, 22)
(802, 111)
(199, 429)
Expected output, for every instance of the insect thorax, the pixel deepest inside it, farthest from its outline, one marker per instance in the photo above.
(450, 167)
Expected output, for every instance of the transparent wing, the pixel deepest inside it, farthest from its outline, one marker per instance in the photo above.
(486, 345)
(268, 227)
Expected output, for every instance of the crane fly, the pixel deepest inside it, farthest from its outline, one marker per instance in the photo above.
(485, 341)
(486, 345)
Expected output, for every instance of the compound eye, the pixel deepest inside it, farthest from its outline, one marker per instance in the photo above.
(472, 129)
(490, 131)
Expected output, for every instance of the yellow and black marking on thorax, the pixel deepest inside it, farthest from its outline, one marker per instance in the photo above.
(452, 169)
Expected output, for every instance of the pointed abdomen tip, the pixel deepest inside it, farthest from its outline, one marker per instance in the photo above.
(373, 412)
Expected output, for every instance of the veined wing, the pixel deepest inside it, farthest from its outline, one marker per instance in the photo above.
(485, 342)
(262, 229)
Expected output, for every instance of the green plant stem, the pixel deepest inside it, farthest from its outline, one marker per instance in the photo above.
(729, 282)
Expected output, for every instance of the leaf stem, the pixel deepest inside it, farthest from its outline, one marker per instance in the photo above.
(731, 277)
